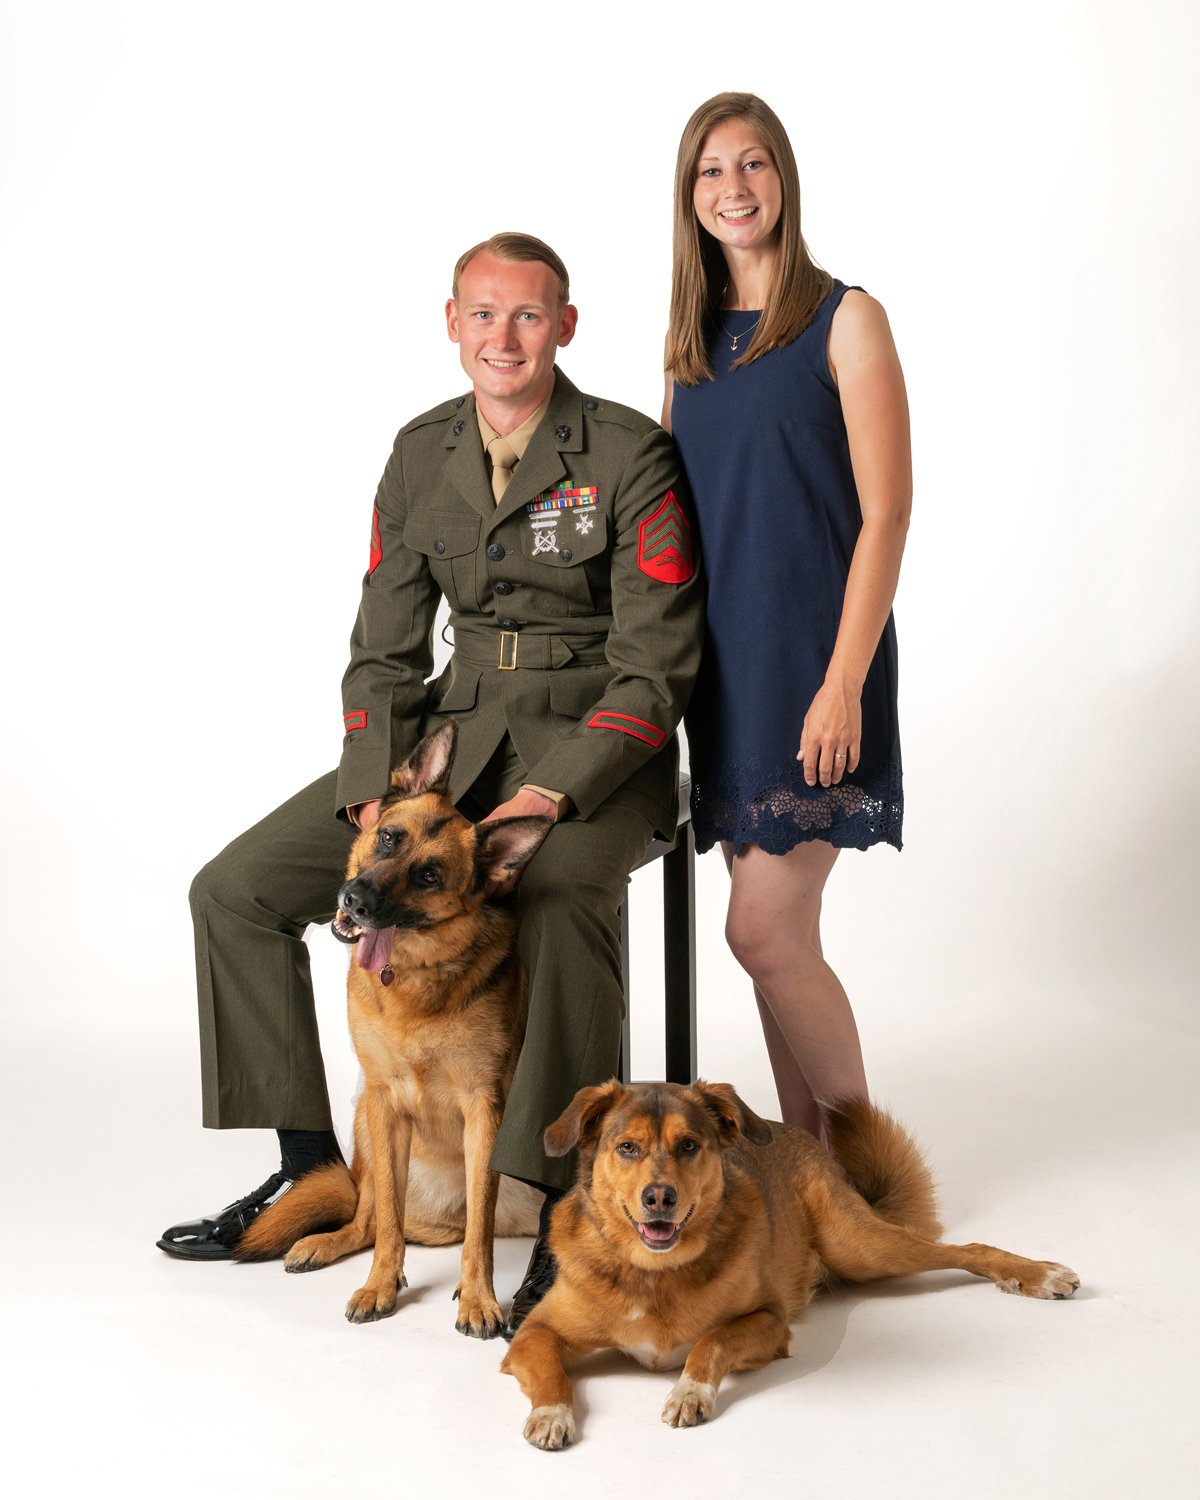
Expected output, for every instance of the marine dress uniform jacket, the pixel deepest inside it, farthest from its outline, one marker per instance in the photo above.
(577, 620)
(578, 614)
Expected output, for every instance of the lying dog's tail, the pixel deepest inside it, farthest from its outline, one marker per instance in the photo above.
(324, 1198)
(885, 1164)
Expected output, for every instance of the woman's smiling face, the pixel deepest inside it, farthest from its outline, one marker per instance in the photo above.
(737, 195)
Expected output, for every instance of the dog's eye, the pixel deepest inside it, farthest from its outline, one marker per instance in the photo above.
(427, 876)
(627, 1148)
(687, 1148)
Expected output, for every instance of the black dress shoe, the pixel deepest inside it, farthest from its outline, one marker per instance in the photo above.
(539, 1278)
(214, 1239)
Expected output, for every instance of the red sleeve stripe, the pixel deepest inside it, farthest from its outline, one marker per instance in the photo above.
(606, 721)
(356, 720)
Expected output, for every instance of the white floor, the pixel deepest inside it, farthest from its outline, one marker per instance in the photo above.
(130, 1373)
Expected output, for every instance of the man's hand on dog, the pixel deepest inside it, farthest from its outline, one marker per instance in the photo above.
(526, 804)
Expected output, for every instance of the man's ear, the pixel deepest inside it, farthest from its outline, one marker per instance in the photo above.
(582, 1118)
(505, 847)
(731, 1117)
(427, 769)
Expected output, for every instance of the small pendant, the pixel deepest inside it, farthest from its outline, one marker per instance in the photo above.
(733, 346)
(387, 974)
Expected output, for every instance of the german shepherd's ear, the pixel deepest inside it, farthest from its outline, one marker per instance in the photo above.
(582, 1118)
(506, 846)
(731, 1117)
(427, 769)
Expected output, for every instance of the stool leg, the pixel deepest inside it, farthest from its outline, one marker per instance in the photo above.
(679, 945)
(623, 1065)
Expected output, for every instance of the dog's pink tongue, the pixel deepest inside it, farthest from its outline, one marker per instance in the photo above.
(658, 1231)
(375, 948)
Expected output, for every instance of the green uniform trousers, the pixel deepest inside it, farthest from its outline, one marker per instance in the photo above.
(261, 1059)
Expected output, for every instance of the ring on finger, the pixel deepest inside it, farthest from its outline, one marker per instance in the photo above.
(841, 755)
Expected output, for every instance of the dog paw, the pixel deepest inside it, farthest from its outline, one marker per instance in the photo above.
(369, 1303)
(550, 1427)
(1045, 1280)
(479, 1317)
(690, 1403)
(308, 1254)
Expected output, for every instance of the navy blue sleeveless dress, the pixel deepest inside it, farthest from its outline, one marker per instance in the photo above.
(768, 462)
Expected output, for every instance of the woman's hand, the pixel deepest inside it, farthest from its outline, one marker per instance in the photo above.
(830, 739)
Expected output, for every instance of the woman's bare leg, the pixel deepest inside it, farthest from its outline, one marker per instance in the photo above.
(773, 929)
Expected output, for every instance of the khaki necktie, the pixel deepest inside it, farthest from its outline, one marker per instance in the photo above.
(504, 461)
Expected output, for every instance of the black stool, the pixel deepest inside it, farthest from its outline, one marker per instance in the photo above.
(679, 946)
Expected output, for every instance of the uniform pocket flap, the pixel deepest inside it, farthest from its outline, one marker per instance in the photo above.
(565, 539)
(573, 690)
(441, 535)
(455, 690)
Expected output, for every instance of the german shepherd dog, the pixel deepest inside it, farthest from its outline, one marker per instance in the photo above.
(437, 1016)
(697, 1231)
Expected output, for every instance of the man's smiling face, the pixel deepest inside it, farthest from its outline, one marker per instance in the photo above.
(508, 326)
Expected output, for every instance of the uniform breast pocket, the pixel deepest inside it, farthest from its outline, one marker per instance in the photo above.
(561, 543)
(450, 541)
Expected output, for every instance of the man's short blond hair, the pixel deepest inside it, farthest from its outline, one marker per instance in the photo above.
(517, 247)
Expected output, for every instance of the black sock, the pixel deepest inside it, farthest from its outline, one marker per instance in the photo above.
(302, 1150)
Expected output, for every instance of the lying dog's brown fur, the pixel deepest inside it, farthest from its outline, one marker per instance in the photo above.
(696, 1231)
(437, 1016)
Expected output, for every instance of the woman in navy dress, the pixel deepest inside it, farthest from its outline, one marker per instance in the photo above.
(786, 398)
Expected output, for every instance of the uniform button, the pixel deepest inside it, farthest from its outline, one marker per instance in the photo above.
(504, 588)
(439, 548)
(563, 434)
(459, 402)
(565, 554)
(496, 552)
(508, 624)
(591, 405)
(437, 702)
(458, 427)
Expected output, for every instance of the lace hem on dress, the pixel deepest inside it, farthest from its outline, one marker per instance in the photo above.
(744, 804)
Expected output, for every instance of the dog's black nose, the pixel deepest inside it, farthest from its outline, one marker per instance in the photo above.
(659, 1195)
(359, 900)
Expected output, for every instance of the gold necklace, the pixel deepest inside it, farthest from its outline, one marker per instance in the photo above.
(736, 336)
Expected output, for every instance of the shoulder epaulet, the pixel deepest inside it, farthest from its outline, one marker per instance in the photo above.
(441, 413)
(620, 416)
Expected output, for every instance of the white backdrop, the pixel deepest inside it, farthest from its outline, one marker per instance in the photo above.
(227, 233)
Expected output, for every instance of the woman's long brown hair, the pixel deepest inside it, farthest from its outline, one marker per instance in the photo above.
(699, 273)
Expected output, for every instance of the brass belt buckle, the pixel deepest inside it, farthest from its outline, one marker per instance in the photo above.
(508, 650)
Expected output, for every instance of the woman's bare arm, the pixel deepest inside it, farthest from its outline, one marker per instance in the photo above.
(670, 390)
(866, 367)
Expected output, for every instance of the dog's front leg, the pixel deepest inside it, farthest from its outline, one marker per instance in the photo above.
(745, 1344)
(479, 1313)
(390, 1130)
(538, 1358)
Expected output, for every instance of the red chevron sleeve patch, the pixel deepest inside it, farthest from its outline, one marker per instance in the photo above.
(356, 720)
(625, 723)
(665, 543)
(376, 544)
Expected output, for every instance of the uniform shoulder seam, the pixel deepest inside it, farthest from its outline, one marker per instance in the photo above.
(440, 413)
(621, 416)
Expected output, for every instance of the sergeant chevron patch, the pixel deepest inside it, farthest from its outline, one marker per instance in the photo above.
(357, 720)
(665, 543)
(376, 544)
(625, 723)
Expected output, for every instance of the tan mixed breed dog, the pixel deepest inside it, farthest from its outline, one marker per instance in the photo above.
(696, 1232)
(436, 998)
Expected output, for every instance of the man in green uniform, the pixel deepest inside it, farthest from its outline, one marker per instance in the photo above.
(555, 526)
